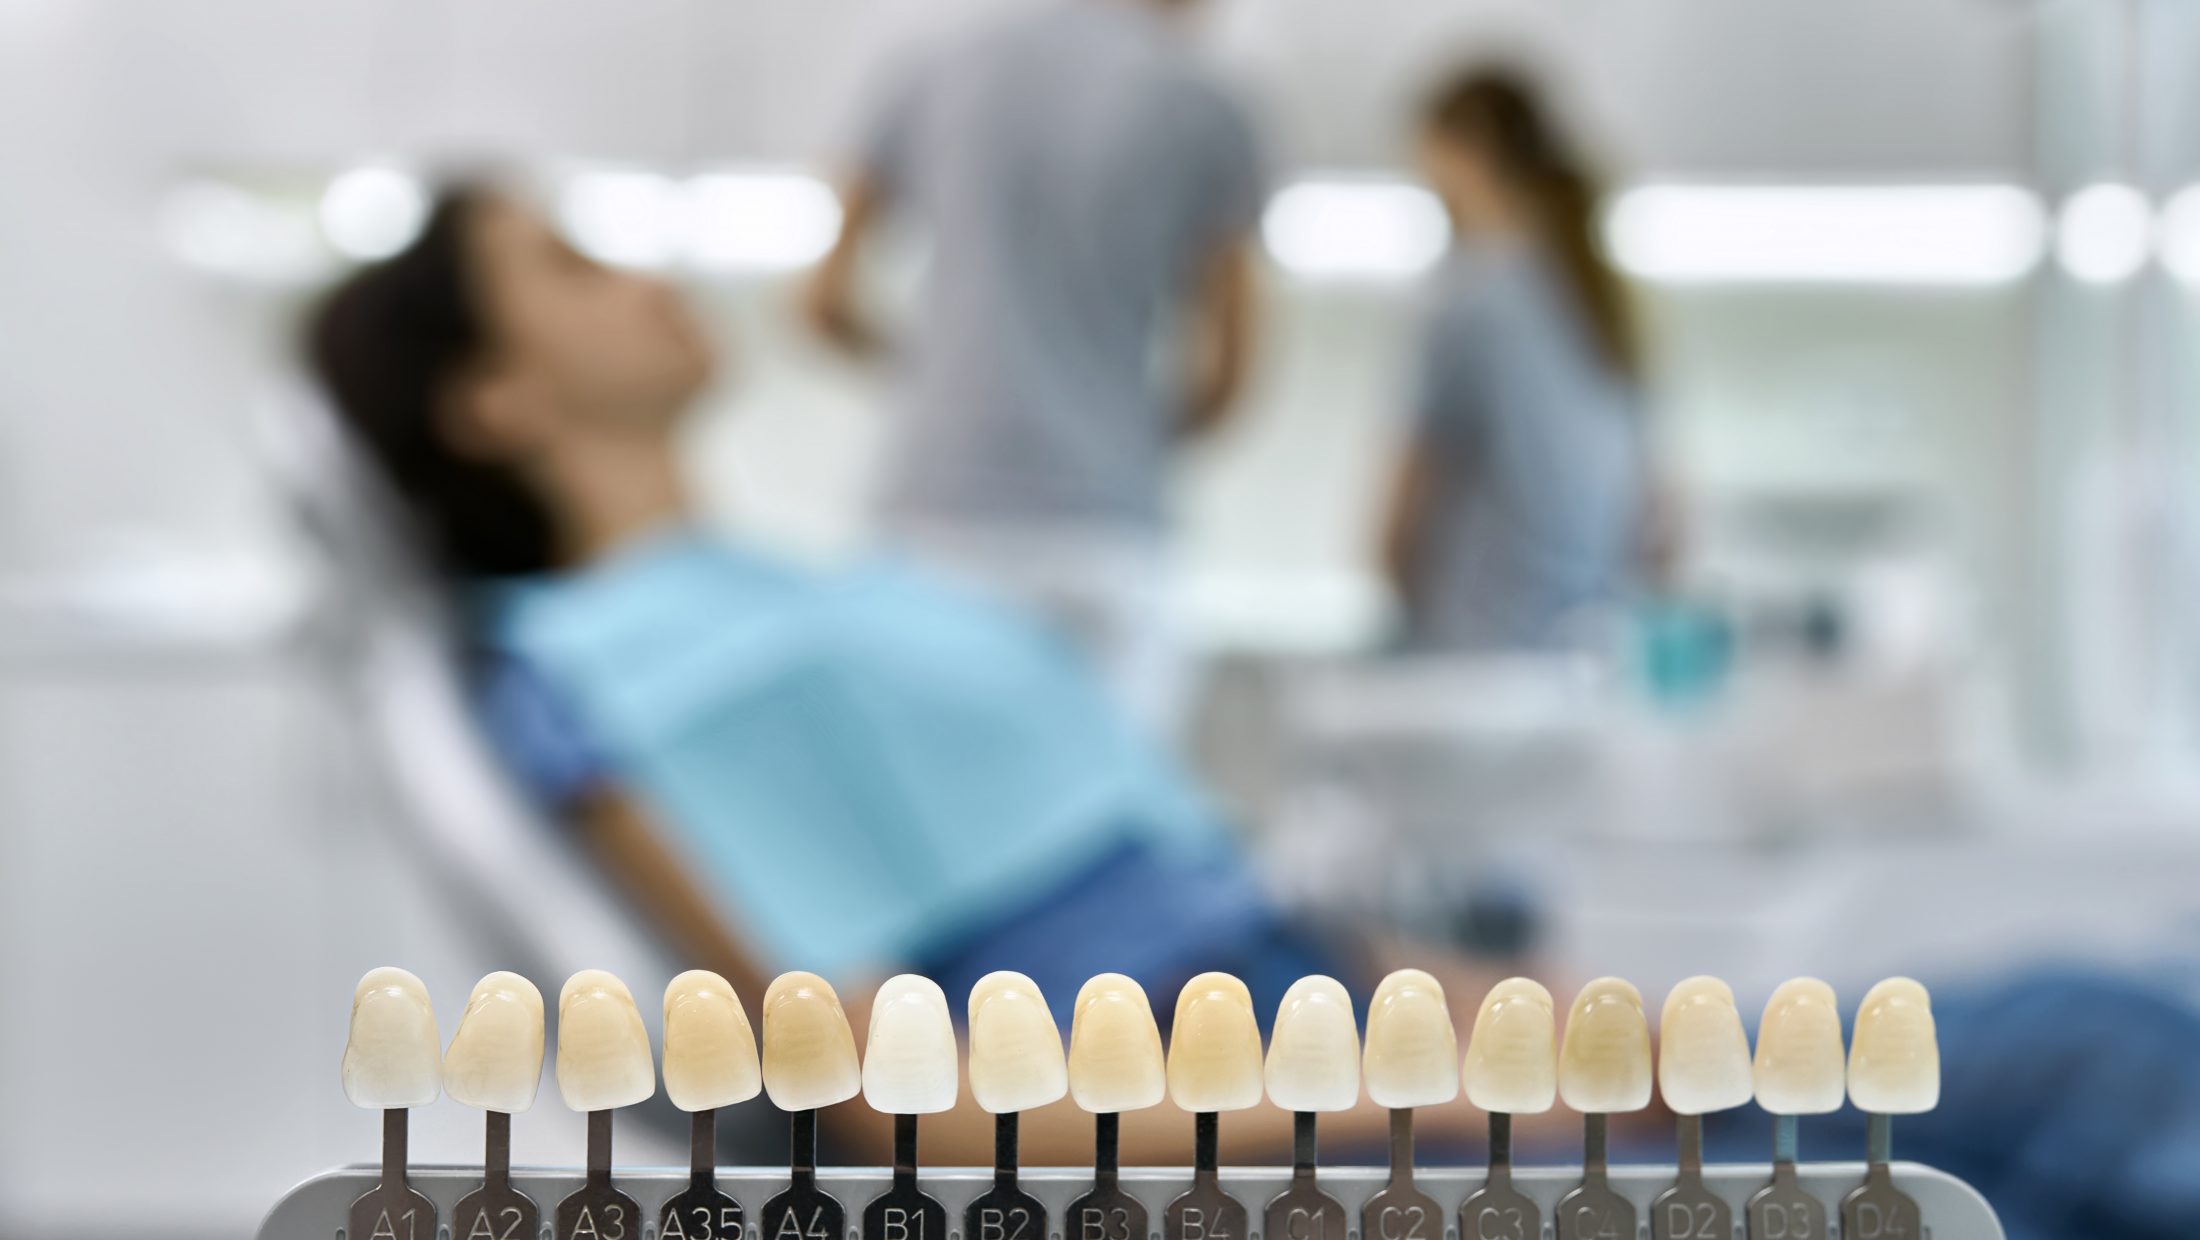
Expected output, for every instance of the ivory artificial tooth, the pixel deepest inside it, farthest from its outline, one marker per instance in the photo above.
(710, 1049)
(495, 1063)
(1016, 1060)
(909, 1061)
(1604, 1061)
(1314, 1048)
(1412, 1057)
(1511, 1069)
(1894, 1055)
(393, 1058)
(1115, 1059)
(495, 1059)
(1214, 1046)
(1512, 1055)
(1799, 1064)
(1703, 1054)
(603, 1049)
(809, 1050)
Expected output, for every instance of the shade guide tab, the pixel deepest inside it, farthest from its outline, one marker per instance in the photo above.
(393, 1057)
(604, 1058)
(1604, 1062)
(809, 1050)
(1314, 1048)
(1115, 1057)
(1214, 1061)
(1800, 1066)
(1016, 1057)
(1512, 1054)
(1412, 1053)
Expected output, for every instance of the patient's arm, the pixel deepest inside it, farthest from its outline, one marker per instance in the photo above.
(655, 879)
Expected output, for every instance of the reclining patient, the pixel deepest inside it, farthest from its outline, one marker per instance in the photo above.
(856, 771)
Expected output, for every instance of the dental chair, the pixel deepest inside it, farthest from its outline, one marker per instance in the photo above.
(509, 876)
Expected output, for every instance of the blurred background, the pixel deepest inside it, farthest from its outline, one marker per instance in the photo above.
(1911, 684)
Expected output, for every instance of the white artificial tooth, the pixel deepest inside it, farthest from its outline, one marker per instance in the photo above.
(1512, 1056)
(1604, 1062)
(910, 1064)
(1799, 1062)
(809, 1051)
(710, 1048)
(604, 1059)
(1214, 1046)
(394, 1056)
(1314, 1048)
(1115, 1059)
(1703, 1054)
(1016, 1060)
(1894, 1055)
(1412, 1057)
(495, 1059)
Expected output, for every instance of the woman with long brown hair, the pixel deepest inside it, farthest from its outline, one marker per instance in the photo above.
(1519, 512)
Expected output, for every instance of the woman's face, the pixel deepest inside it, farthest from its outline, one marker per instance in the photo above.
(577, 348)
(1473, 188)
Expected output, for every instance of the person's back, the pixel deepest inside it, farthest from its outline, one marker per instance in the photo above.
(1073, 169)
(1534, 525)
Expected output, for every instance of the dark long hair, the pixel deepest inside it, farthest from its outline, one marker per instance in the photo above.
(389, 344)
(1499, 112)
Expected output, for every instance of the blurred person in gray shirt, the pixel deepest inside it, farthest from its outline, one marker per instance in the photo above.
(1090, 193)
(1520, 519)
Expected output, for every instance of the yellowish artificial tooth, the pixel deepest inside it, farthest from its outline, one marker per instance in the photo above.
(1115, 1060)
(1214, 1046)
(1016, 1061)
(710, 1049)
(394, 1056)
(910, 1064)
(1412, 1057)
(1314, 1048)
(603, 1050)
(495, 1060)
(1512, 1055)
(1799, 1058)
(1604, 1062)
(1894, 1055)
(1703, 1054)
(809, 1050)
